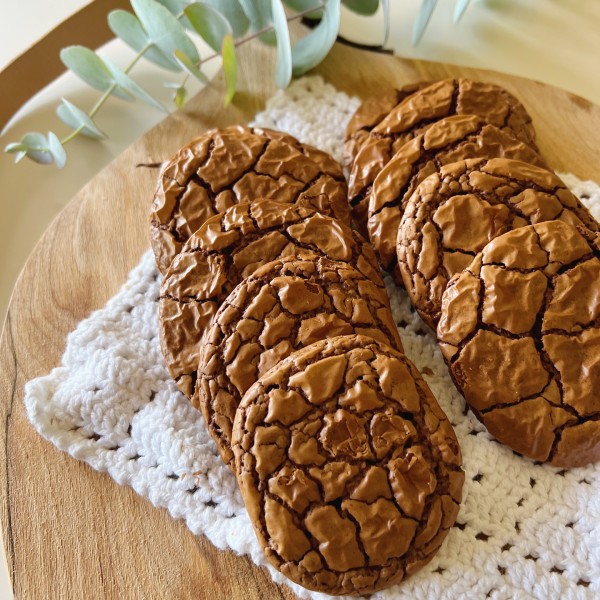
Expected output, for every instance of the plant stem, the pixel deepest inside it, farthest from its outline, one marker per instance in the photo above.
(106, 94)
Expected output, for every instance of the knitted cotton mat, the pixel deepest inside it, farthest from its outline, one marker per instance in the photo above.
(524, 530)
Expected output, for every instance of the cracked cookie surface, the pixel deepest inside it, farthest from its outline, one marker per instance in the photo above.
(454, 213)
(446, 141)
(350, 471)
(520, 331)
(417, 112)
(231, 246)
(284, 306)
(370, 113)
(237, 164)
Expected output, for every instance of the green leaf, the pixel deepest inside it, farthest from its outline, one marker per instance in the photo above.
(229, 67)
(181, 96)
(459, 9)
(125, 82)
(175, 7)
(234, 14)
(302, 5)
(163, 29)
(362, 7)
(128, 27)
(283, 70)
(56, 149)
(87, 65)
(425, 12)
(314, 47)
(77, 119)
(34, 145)
(260, 15)
(209, 23)
(189, 66)
(385, 5)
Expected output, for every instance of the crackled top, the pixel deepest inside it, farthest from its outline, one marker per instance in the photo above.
(237, 164)
(370, 113)
(348, 467)
(520, 330)
(231, 246)
(449, 140)
(454, 213)
(284, 306)
(418, 111)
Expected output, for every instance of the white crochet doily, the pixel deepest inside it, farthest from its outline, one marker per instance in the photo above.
(524, 530)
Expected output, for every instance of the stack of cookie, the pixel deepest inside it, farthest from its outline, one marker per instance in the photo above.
(275, 323)
(494, 252)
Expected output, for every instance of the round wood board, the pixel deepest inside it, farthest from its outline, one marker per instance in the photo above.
(71, 532)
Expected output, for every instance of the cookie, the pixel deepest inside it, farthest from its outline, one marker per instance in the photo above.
(520, 331)
(284, 306)
(348, 467)
(454, 213)
(417, 112)
(446, 141)
(231, 246)
(370, 113)
(237, 164)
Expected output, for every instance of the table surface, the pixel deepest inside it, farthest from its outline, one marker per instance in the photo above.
(91, 537)
(557, 42)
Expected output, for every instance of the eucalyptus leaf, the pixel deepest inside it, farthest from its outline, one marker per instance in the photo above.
(128, 28)
(181, 96)
(283, 69)
(189, 66)
(229, 67)
(425, 12)
(385, 5)
(209, 23)
(56, 149)
(362, 7)
(37, 148)
(260, 15)
(302, 5)
(77, 119)
(163, 29)
(124, 82)
(234, 14)
(310, 50)
(459, 9)
(175, 7)
(87, 65)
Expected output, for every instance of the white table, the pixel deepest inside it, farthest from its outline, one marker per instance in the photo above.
(554, 41)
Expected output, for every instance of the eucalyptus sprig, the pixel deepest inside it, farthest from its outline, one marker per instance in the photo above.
(157, 31)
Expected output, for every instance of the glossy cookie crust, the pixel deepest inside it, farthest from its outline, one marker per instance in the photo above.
(284, 306)
(454, 213)
(370, 113)
(449, 140)
(348, 467)
(230, 247)
(520, 331)
(417, 112)
(237, 164)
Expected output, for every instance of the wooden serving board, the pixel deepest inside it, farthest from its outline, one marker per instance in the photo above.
(71, 532)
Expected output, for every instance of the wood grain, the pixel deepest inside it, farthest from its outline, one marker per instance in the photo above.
(71, 532)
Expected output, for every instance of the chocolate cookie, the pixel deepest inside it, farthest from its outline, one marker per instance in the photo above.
(520, 331)
(370, 113)
(231, 246)
(453, 214)
(348, 467)
(226, 166)
(417, 112)
(284, 306)
(446, 141)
